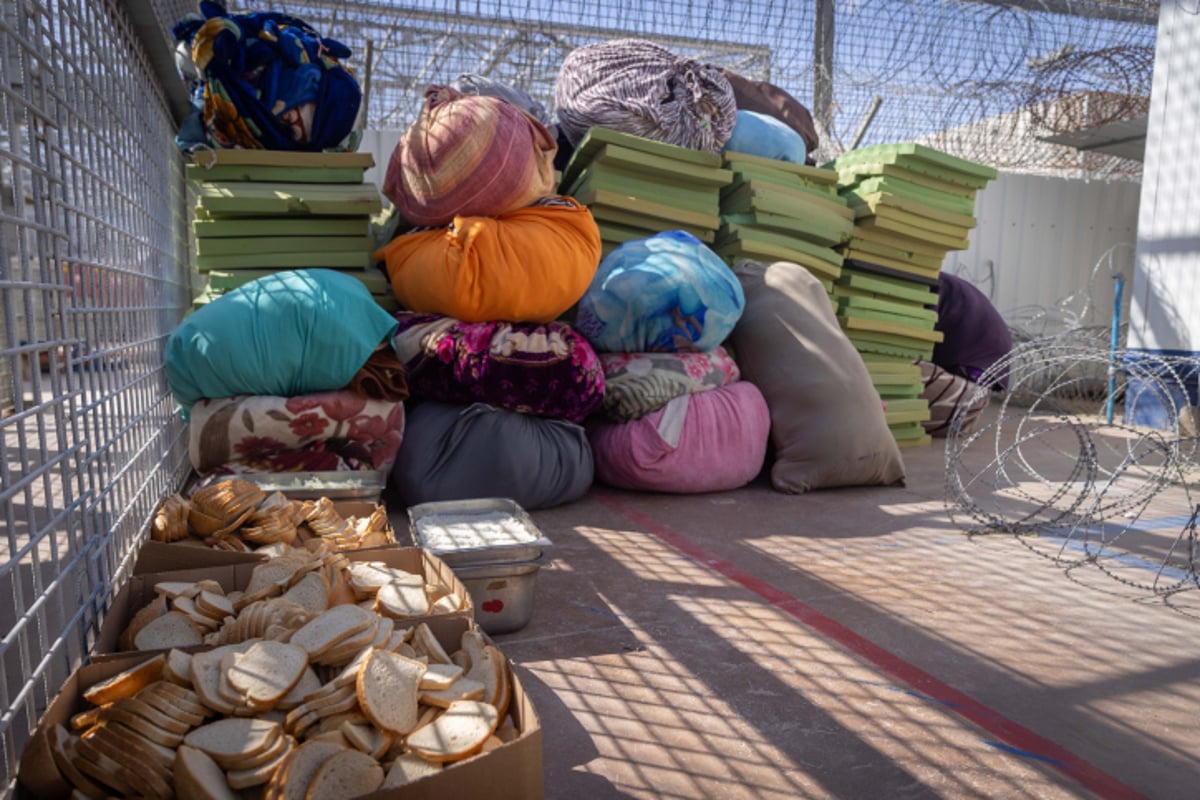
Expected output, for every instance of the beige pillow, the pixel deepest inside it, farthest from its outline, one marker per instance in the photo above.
(827, 421)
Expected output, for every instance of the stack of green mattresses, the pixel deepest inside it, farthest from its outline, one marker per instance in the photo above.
(262, 211)
(912, 206)
(637, 187)
(780, 211)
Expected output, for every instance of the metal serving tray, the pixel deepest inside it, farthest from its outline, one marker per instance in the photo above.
(344, 485)
(492, 530)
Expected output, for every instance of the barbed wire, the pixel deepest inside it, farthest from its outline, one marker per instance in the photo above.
(981, 80)
(1064, 463)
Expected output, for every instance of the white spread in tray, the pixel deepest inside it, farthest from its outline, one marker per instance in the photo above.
(467, 531)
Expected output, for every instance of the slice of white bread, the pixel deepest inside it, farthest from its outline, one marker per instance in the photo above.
(366, 737)
(127, 683)
(301, 766)
(311, 593)
(388, 692)
(258, 774)
(402, 600)
(440, 676)
(198, 777)
(307, 685)
(232, 740)
(367, 577)
(144, 616)
(206, 674)
(165, 722)
(462, 689)
(172, 629)
(456, 733)
(331, 628)
(348, 773)
(424, 642)
(407, 768)
(142, 727)
(159, 696)
(266, 672)
(177, 668)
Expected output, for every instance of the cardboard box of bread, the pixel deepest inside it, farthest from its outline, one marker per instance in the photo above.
(235, 515)
(410, 715)
(189, 609)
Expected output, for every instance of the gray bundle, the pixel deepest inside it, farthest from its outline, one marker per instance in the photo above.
(642, 88)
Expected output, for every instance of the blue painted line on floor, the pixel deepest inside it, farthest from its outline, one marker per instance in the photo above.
(1123, 559)
(1016, 751)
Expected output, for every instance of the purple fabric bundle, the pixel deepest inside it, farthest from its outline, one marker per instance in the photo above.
(544, 369)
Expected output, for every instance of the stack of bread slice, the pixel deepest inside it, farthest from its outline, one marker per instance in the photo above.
(283, 594)
(349, 704)
(235, 514)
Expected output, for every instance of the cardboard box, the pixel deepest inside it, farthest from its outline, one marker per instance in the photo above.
(187, 554)
(139, 590)
(194, 553)
(511, 772)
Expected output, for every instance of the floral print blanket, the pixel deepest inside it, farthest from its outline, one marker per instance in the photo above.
(320, 432)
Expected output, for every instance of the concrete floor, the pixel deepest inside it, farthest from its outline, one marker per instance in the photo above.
(850, 643)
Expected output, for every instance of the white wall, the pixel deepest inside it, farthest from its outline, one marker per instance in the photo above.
(1038, 242)
(380, 143)
(1167, 276)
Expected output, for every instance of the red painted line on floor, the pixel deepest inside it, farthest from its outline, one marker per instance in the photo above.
(1013, 734)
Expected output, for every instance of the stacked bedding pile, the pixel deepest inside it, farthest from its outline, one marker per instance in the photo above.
(676, 416)
(498, 384)
(912, 206)
(776, 210)
(636, 187)
(261, 211)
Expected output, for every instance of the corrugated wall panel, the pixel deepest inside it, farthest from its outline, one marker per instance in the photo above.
(1168, 248)
(1040, 239)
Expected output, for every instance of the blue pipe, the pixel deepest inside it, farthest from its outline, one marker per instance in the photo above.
(1112, 345)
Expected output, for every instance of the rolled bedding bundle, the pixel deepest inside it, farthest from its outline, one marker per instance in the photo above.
(707, 442)
(469, 155)
(265, 80)
(666, 293)
(828, 425)
(544, 369)
(285, 334)
(636, 384)
(320, 432)
(764, 136)
(528, 265)
(642, 88)
(459, 452)
(473, 83)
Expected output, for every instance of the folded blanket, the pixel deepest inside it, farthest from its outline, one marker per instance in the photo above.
(547, 369)
(637, 383)
(382, 377)
(529, 265)
(322, 432)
